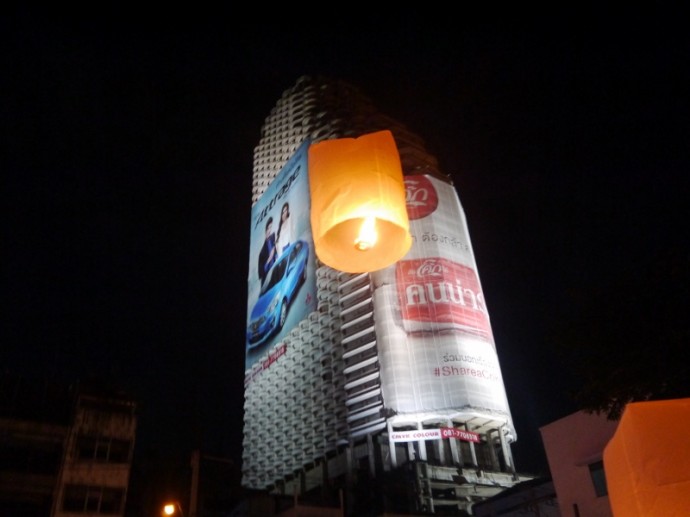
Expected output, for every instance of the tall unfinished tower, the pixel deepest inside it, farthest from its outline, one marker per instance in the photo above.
(384, 386)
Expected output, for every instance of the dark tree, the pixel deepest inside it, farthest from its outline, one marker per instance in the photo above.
(628, 340)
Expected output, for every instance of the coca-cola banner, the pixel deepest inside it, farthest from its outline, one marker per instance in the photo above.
(282, 279)
(439, 294)
(436, 347)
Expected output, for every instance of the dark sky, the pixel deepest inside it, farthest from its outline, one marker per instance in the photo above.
(127, 152)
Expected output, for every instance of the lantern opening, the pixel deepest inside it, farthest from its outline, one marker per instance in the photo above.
(367, 234)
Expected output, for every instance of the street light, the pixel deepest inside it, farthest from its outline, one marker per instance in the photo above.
(172, 509)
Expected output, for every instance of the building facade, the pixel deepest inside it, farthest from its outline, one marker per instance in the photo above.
(533, 498)
(382, 388)
(65, 451)
(574, 448)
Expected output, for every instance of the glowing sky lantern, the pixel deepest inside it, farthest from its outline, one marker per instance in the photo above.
(358, 215)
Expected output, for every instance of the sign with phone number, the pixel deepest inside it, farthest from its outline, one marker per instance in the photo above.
(434, 434)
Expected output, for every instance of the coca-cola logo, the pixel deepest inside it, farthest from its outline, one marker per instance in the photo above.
(430, 268)
(421, 197)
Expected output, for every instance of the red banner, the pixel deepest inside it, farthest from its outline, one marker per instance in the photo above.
(452, 432)
(439, 294)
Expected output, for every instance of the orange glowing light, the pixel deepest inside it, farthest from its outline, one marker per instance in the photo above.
(356, 185)
(367, 234)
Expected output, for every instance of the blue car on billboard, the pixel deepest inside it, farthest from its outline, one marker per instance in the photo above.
(277, 293)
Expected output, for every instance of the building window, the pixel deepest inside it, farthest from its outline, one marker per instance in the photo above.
(596, 470)
(24, 455)
(93, 499)
(101, 449)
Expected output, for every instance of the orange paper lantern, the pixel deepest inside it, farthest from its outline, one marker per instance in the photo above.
(358, 214)
(646, 462)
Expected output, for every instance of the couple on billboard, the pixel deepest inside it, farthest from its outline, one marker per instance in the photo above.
(275, 243)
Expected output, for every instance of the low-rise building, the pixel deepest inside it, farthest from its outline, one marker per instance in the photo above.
(574, 448)
(64, 450)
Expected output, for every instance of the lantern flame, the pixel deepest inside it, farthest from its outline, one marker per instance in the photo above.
(367, 234)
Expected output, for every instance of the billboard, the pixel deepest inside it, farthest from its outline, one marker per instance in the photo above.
(281, 280)
(436, 347)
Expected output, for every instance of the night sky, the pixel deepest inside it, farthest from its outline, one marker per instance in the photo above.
(127, 148)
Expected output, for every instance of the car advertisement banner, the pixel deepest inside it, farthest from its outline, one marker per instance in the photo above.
(436, 348)
(281, 280)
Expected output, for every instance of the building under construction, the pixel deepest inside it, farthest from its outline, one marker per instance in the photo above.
(378, 391)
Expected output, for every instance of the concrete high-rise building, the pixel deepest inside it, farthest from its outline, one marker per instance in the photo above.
(384, 387)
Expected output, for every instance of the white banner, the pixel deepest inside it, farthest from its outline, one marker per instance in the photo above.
(436, 347)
